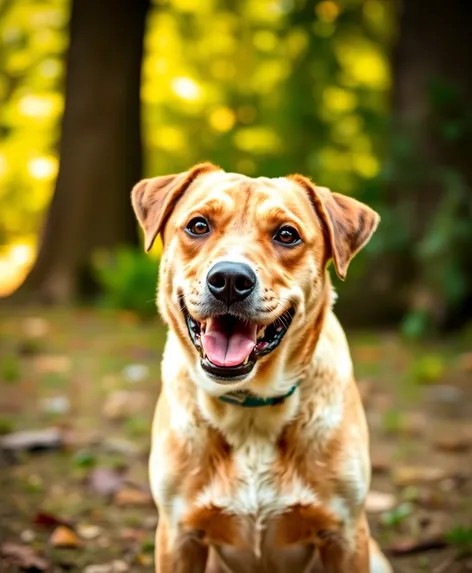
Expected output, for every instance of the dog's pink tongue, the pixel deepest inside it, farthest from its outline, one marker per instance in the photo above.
(228, 348)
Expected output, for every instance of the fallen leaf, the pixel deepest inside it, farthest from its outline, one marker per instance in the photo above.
(414, 424)
(88, 532)
(35, 327)
(144, 559)
(52, 364)
(120, 446)
(23, 557)
(132, 496)
(409, 546)
(116, 566)
(368, 353)
(106, 481)
(123, 403)
(452, 443)
(132, 534)
(380, 464)
(31, 440)
(378, 501)
(418, 475)
(48, 520)
(27, 536)
(64, 536)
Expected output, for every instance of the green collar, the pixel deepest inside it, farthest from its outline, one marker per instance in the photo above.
(247, 400)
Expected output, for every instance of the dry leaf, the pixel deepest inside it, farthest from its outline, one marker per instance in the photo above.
(132, 496)
(144, 559)
(380, 464)
(116, 566)
(35, 327)
(52, 364)
(418, 475)
(87, 531)
(123, 403)
(23, 557)
(63, 536)
(105, 481)
(49, 438)
(409, 546)
(367, 353)
(120, 446)
(48, 520)
(453, 443)
(378, 501)
(132, 534)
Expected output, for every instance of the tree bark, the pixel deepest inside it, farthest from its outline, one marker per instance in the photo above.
(431, 151)
(100, 149)
(432, 97)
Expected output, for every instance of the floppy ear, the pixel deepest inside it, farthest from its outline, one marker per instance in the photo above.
(349, 223)
(153, 199)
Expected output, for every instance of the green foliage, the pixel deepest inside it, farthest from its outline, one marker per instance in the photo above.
(461, 537)
(84, 459)
(396, 516)
(275, 88)
(128, 279)
(427, 369)
(10, 369)
(33, 41)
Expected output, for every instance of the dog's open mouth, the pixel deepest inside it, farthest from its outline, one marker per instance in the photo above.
(229, 346)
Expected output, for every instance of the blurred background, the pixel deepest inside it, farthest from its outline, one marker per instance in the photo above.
(371, 98)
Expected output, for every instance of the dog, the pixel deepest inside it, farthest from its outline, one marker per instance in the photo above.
(260, 448)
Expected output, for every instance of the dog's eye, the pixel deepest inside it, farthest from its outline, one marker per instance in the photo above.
(287, 235)
(198, 226)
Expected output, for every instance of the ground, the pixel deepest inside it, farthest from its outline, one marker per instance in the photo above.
(90, 378)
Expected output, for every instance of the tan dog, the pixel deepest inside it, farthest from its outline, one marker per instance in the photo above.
(260, 453)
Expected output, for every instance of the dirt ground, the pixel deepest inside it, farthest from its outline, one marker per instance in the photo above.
(74, 493)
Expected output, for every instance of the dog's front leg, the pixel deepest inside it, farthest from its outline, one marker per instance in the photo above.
(340, 556)
(179, 552)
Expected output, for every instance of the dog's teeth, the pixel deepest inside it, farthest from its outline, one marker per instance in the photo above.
(261, 332)
(279, 329)
(246, 361)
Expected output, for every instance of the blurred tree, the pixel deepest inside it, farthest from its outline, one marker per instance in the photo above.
(432, 148)
(100, 148)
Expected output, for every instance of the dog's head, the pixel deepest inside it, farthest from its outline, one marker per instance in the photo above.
(243, 266)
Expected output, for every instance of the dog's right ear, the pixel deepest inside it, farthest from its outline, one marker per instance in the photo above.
(153, 199)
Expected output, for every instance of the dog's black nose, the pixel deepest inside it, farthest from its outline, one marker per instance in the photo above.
(231, 282)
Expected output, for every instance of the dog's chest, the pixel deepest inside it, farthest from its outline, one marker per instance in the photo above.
(255, 488)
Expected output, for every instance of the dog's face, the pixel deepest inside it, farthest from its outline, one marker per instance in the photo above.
(244, 263)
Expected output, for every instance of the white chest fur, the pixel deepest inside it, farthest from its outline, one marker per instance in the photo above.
(254, 490)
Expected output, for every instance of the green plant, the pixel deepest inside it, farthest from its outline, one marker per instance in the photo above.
(128, 279)
(461, 537)
(394, 517)
(10, 369)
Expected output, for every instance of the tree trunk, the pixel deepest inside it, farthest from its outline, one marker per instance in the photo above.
(100, 148)
(431, 191)
(432, 97)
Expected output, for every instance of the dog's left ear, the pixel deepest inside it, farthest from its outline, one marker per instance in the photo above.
(153, 199)
(349, 223)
